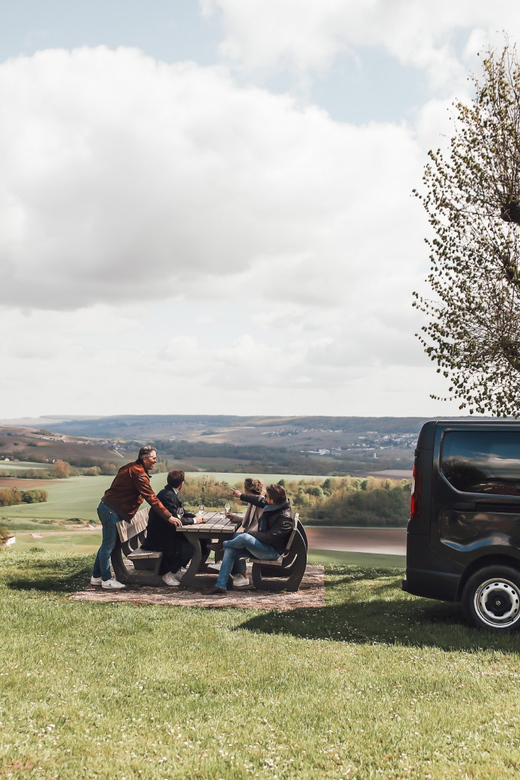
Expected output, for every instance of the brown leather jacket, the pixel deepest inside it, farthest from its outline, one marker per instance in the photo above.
(128, 491)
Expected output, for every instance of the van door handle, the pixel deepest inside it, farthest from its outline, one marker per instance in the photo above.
(465, 506)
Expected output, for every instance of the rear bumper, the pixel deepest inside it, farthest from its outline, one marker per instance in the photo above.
(428, 573)
(432, 584)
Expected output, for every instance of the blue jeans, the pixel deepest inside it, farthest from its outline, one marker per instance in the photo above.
(108, 518)
(237, 549)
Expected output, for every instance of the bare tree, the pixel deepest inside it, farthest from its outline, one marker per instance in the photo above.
(472, 198)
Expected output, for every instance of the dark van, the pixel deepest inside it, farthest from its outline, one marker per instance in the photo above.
(463, 540)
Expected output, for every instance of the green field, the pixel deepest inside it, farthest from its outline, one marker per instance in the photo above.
(23, 466)
(376, 684)
(78, 497)
(73, 542)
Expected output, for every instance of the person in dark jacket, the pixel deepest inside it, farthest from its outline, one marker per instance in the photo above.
(121, 501)
(163, 537)
(247, 522)
(267, 543)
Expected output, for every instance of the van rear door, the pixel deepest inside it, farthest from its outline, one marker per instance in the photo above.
(476, 491)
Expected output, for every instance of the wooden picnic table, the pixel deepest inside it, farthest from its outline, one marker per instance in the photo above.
(282, 574)
(217, 526)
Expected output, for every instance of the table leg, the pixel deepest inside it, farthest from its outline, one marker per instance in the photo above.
(189, 578)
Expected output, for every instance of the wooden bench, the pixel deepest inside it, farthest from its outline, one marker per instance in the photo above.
(286, 572)
(143, 565)
(133, 565)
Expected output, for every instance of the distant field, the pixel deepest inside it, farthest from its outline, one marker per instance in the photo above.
(88, 542)
(344, 558)
(9, 465)
(78, 497)
(68, 498)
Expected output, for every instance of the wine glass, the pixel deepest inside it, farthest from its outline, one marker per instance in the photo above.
(201, 509)
(227, 507)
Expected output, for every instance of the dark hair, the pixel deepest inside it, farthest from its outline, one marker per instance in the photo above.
(145, 451)
(176, 478)
(276, 493)
(252, 485)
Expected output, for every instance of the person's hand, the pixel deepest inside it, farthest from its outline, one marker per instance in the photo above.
(237, 493)
(201, 519)
(175, 521)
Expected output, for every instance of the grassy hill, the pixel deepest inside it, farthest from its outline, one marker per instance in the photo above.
(42, 445)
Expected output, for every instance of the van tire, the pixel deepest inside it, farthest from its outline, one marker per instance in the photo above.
(491, 599)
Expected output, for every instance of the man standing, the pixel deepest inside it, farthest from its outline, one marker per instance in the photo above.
(121, 501)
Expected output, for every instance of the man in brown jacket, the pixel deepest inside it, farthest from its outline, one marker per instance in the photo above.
(121, 501)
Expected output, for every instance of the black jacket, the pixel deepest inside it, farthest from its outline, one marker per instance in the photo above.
(274, 527)
(160, 530)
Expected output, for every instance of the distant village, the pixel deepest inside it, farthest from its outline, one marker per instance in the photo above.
(371, 440)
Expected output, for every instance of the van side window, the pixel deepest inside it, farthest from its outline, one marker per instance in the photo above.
(482, 461)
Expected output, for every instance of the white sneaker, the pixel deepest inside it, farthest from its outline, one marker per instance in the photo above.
(179, 574)
(112, 585)
(170, 579)
(214, 565)
(239, 581)
(96, 580)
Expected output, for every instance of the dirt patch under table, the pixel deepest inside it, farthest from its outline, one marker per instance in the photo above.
(310, 594)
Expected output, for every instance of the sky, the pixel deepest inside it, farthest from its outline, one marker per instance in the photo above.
(206, 207)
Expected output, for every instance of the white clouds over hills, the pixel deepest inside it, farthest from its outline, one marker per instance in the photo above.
(170, 231)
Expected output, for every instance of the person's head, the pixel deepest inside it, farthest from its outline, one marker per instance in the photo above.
(147, 456)
(255, 486)
(275, 494)
(175, 479)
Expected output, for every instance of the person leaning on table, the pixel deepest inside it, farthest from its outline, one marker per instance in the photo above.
(267, 543)
(121, 501)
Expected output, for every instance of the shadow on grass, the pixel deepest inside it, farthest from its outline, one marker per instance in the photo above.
(379, 613)
(58, 576)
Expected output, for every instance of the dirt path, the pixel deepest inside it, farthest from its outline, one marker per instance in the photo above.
(391, 541)
(310, 594)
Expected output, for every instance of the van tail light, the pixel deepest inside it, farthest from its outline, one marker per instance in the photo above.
(415, 503)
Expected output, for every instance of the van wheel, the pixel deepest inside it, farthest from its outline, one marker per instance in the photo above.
(491, 598)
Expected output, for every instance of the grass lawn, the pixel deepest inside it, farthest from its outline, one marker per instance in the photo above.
(378, 684)
(52, 541)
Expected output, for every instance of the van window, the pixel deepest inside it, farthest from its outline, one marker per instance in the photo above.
(482, 461)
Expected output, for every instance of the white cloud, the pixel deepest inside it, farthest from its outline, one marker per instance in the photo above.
(129, 180)
(306, 36)
(180, 243)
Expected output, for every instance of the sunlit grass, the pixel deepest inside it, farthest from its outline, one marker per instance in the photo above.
(376, 684)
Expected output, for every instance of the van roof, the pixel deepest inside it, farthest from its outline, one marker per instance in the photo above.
(428, 430)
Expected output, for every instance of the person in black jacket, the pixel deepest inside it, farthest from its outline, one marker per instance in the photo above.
(162, 536)
(267, 543)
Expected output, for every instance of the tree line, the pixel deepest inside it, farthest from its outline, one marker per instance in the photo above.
(345, 501)
(13, 496)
